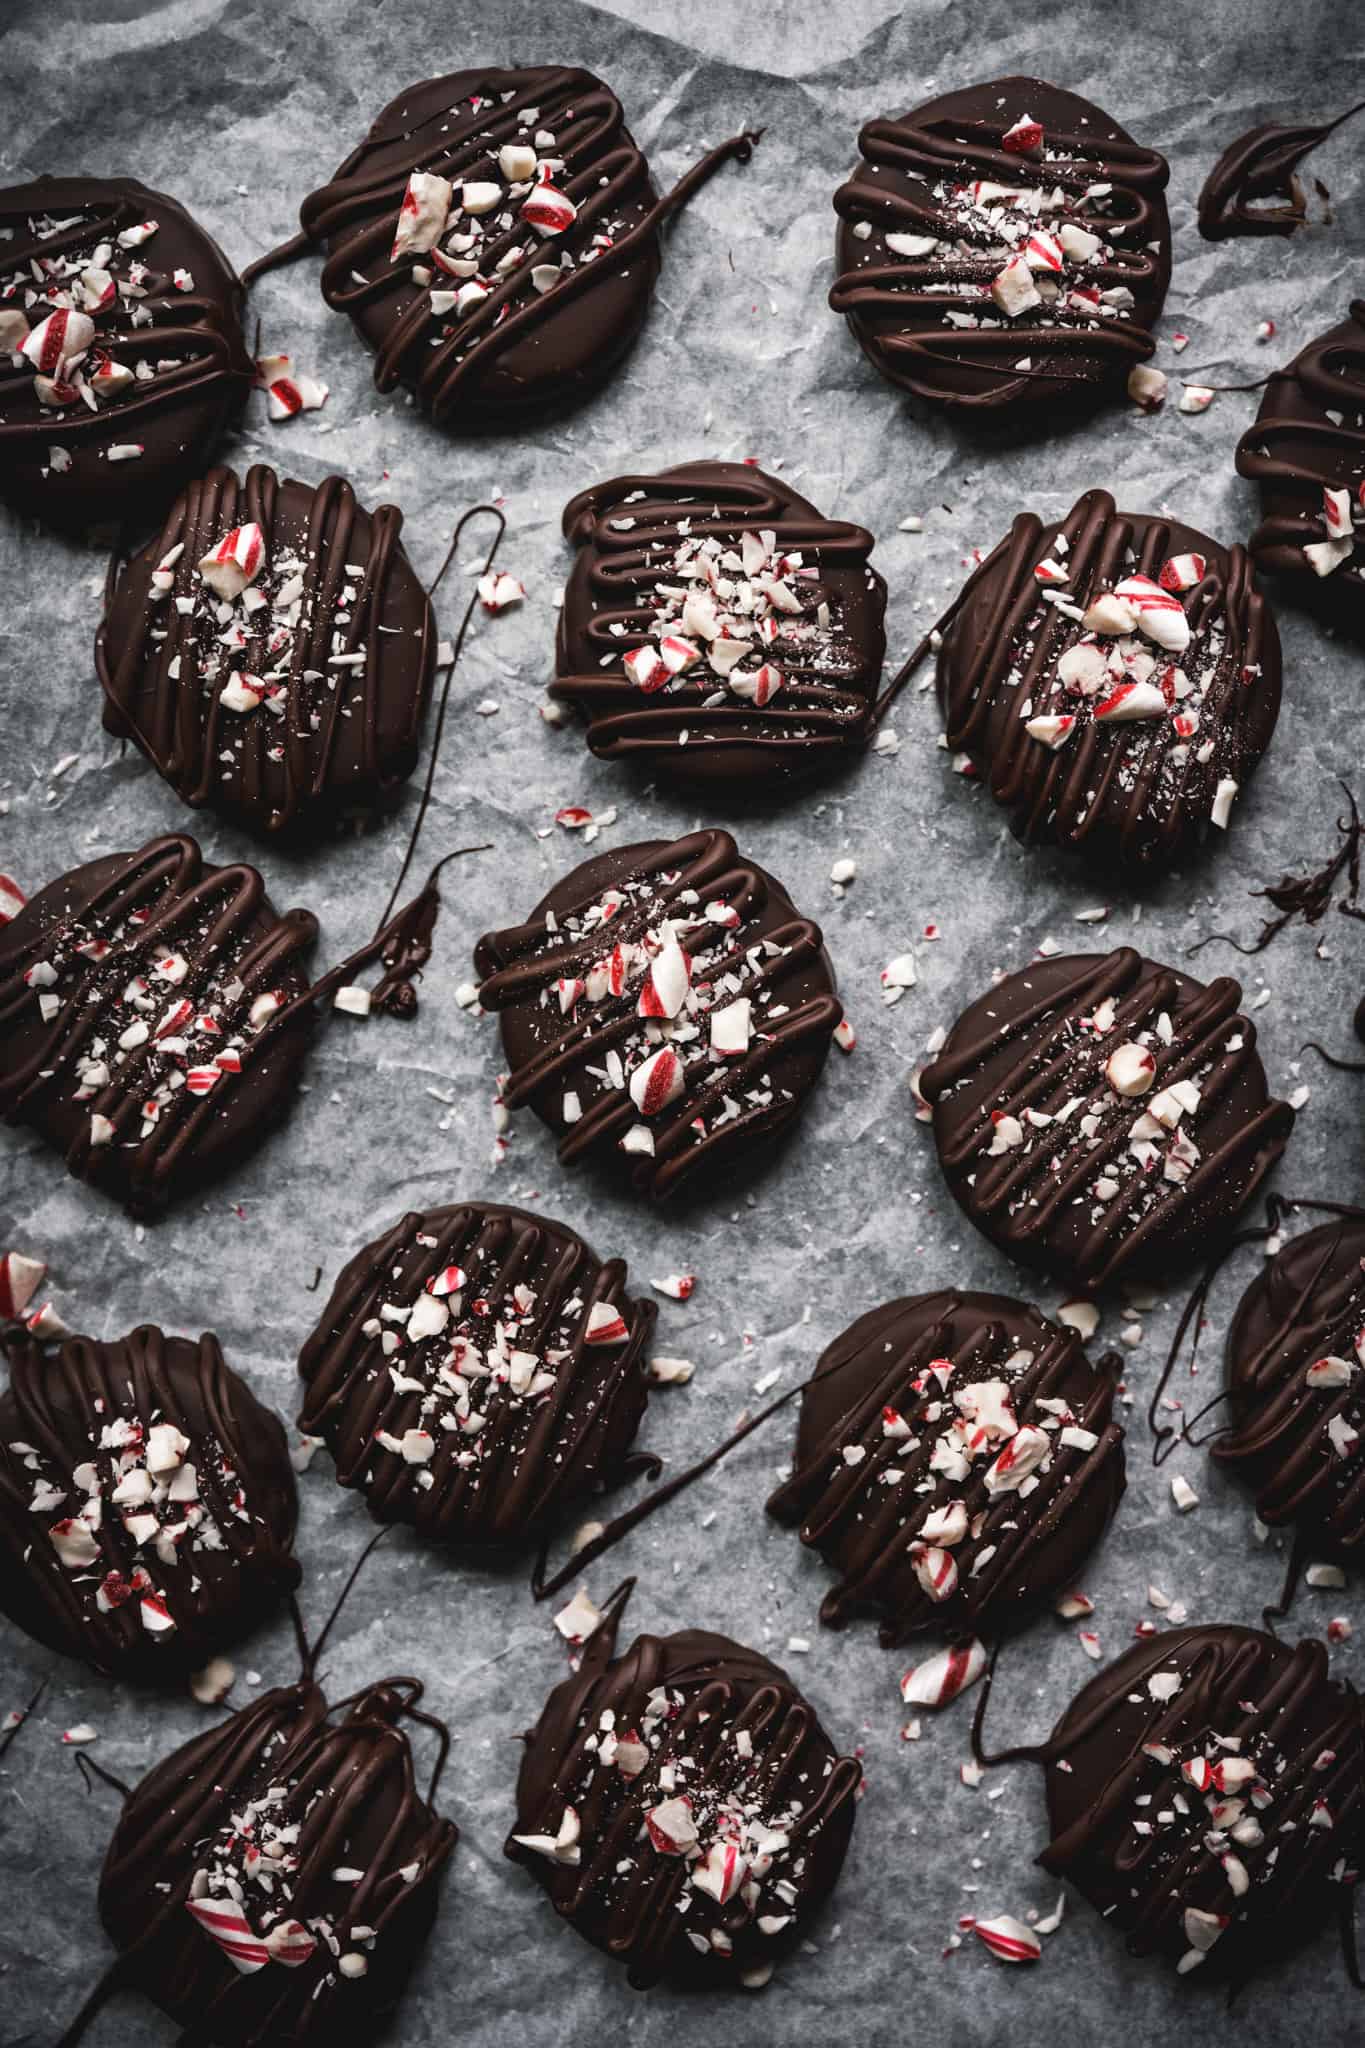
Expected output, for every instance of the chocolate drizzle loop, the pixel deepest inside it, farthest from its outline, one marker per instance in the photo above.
(1262, 165)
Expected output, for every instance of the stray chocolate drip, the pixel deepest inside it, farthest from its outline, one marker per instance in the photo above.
(1055, 741)
(1206, 1794)
(133, 413)
(1308, 440)
(721, 560)
(686, 933)
(306, 1924)
(1257, 167)
(1306, 896)
(1038, 1141)
(907, 1472)
(335, 642)
(555, 311)
(147, 1501)
(943, 190)
(704, 1830)
(476, 1372)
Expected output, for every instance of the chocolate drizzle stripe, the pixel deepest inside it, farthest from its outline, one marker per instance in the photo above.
(1124, 787)
(186, 726)
(531, 1460)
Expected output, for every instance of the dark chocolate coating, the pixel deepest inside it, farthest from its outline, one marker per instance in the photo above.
(1144, 1845)
(1298, 1444)
(332, 735)
(204, 1543)
(343, 1783)
(120, 944)
(1261, 165)
(1009, 1548)
(1296, 450)
(198, 371)
(916, 178)
(1031, 1048)
(755, 948)
(519, 350)
(507, 1463)
(1132, 793)
(643, 539)
(687, 1700)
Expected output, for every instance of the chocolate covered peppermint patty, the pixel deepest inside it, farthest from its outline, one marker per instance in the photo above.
(1003, 248)
(684, 1808)
(271, 651)
(496, 239)
(1115, 678)
(274, 1880)
(1206, 1793)
(121, 349)
(477, 1371)
(1102, 1113)
(1306, 451)
(663, 1007)
(956, 1463)
(147, 1503)
(1295, 1376)
(717, 628)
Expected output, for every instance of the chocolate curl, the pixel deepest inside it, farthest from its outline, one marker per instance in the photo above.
(1261, 165)
(739, 147)
(1306, 896)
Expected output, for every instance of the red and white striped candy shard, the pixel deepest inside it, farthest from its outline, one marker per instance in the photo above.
(290, 394)
(12, 900)
(60, 339)
(1008, 1940)
(228, 1925)
(938, 1681)
(573, 817)
(422, 216)
(199, 1080)
(759, 686)
(845, 1037)
(236, 561)
(498, 590)
(606, 1324)
(1182, 572)
(1160, 614)
(665, 986)
(450, 1280)
(677, 1286)
(549, 210)
(1336, 514)
(290, 1943)
(20, 1279)
(1025, 138)
(721, 1872)
(657, 1082)
(1130, 701)
(645, 668)
(671, 1827)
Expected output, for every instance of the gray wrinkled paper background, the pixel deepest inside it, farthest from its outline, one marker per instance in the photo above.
(241, 109)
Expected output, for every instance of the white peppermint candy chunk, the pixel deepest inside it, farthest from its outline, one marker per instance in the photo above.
(945, 1526)
(671, 1827)
(548, 210)
(428, 1318)
(911, 245)
(1053, 728)
(1108, 613)
(1008, 1133)
(1203, 1929)
(721, 1872)
(1083, 667)
(517, 162)
(731, 1028)
(664, 990)
(936, 1570)
(166, 1447)
(1024, 1452)
(13, 328)
(1329, 1372)
(1197, 398)
(498, 590)
(1336, 514)
(577, 1619)
(237, 561)
(423, 215)
(606, 1324)
(646, 669)
(759, 686)
(1160, 614)
(1146, 384)
(1013, 290)
(657, 1081)
(559, 1848)
(1008, 1940)
(1130, 1069)
(73, 1543)
(1223, 799)
(678, 655)
(1182, 572)
(241, 692)
(480, 197)
(1325, 557)
(1081, 245)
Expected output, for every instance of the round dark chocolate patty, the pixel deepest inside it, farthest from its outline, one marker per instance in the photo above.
(271, 651)
(476, 1371)
(147, 1503)
(684, 1808)
(122, 366)
(1306, 451)
(663, 1002)
(1101, 1113)
(1295, 1369)
(1115, 678)
(1004, 247)
(956, 1463)
(495, 240)
(148, 1028)
(274, 1880)
(1205, 1793)
(716, 627)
